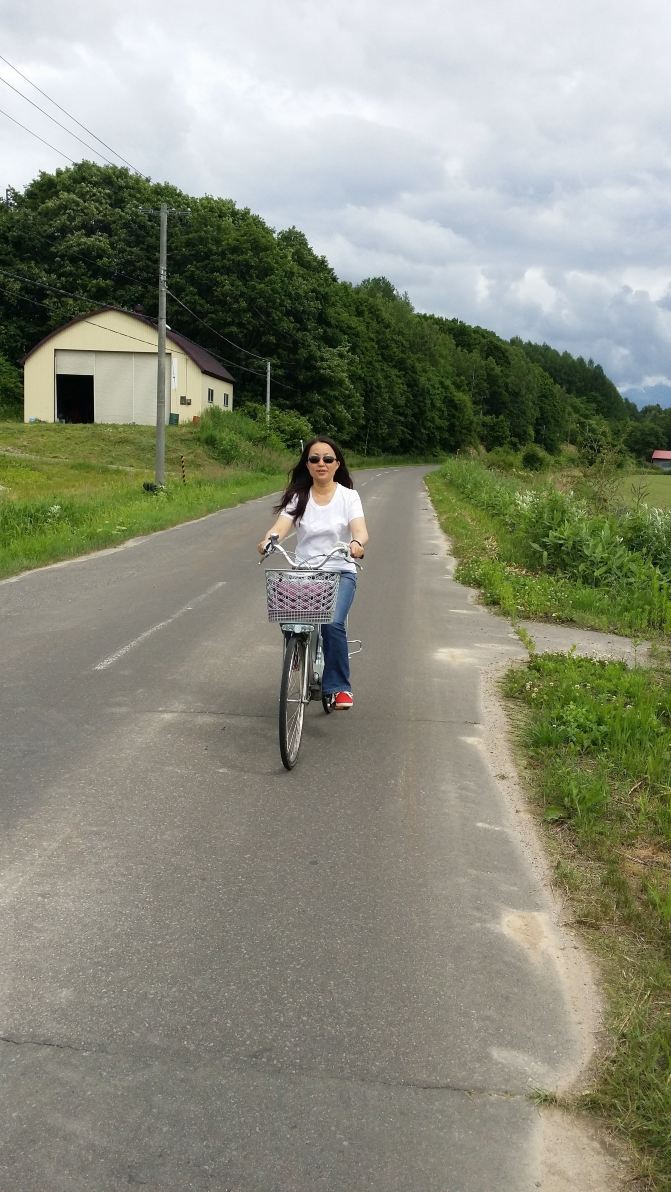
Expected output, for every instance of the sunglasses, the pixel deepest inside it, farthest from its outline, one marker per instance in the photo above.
(315, 459)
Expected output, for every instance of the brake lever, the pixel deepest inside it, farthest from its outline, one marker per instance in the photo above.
(269, 547)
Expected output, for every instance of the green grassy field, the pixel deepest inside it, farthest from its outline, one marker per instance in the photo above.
(43, 460)
(40, 461)
(652, 488)
(67, 490)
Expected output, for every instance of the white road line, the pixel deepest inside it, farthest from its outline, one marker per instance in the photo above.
(112, 658)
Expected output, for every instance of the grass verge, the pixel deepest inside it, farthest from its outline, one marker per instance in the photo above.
(596, 739)
(68, 490)
(489, 559)
(34, 533)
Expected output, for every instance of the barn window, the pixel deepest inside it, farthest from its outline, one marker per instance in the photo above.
(210, 395)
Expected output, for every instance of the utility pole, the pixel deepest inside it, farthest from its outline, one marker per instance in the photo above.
(160, 372)
(160, 363)
(267, 393)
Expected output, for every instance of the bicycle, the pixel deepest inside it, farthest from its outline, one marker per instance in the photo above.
(301, 600)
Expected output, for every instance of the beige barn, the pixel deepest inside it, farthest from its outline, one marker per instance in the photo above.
(102, 367)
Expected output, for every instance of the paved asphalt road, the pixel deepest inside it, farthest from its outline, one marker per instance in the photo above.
(217, 975)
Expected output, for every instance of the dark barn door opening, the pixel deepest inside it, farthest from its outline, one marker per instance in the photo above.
(74, 398)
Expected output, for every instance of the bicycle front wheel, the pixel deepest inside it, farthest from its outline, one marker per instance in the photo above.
(293, 694)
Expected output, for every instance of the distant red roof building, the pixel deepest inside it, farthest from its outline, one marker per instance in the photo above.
(661, 455)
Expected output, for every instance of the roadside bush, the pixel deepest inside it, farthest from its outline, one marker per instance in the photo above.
(534, 458)
(557, 534)
(286, 426)
(290, 428)
(648, 531)
(225, 446)
(236, 440)
(501, 459)
(488, 491)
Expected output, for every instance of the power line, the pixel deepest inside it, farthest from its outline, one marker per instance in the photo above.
(70, 116)
(107, 306)
(81, 297)
(34, 301)
(55, 121)
(227, 341)
(98, 326)
(282, 385)
(112, 330)
(92, 261)
(34, 134)
(137, 281)
(225, 359)
(238, 367)
(244, 368)
(29, 215)
(262, 318)
(35, 281)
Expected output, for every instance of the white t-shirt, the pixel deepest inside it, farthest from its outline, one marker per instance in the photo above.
(321, 526)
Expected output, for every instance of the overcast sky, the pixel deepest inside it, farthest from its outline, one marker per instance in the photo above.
(505, 162)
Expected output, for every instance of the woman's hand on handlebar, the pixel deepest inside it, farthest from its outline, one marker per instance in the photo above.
(267, 544)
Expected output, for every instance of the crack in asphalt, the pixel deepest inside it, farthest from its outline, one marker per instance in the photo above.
(46, 1043)
(257, 1064)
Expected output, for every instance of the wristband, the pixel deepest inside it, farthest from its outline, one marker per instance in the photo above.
(357, 542)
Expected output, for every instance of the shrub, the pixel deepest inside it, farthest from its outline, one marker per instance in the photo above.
(11, 391)
(290, 428)
(556, 533)
(287, 428)
(502, 459)
(233, 438)
(648, 531)
(534, 458)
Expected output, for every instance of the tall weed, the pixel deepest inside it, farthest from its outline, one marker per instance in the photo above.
(556, 533)
(235, 440)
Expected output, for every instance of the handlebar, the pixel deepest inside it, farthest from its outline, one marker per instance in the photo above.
(340, 549)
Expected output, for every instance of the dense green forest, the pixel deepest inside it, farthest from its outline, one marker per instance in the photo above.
(356, 360)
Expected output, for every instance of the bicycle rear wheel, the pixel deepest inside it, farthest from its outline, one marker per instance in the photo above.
(293, 694)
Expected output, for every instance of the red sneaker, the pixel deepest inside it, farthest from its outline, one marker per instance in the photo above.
(343, 699)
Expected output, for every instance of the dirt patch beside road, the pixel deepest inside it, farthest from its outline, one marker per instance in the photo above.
(549, 638)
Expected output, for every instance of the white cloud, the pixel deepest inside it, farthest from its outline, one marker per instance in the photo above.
(504, 162)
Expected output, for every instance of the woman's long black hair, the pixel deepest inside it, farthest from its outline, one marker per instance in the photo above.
(300, 480)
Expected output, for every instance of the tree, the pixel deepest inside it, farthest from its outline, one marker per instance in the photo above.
(355, 360)
(642, 438)
(11, 389)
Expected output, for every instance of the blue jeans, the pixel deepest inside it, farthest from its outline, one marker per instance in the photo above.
(336, 658)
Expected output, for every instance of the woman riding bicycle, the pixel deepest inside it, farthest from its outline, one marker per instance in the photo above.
(321, 503)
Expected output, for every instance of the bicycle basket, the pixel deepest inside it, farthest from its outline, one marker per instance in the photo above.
(302, 596)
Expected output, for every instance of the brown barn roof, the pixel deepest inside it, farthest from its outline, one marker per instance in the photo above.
(206, 362)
